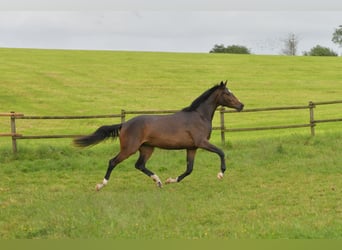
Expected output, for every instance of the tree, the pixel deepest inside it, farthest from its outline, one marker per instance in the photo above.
(320, 51)
(290, 45)
(231, 49)
(337, 36)
(218, 48)
(236, 49)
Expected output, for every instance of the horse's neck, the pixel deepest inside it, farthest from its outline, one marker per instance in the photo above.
(207, 109)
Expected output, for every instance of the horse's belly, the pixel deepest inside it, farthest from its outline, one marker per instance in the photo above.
(170, 140)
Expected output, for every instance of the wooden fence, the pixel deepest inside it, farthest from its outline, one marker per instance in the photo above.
(312, 122)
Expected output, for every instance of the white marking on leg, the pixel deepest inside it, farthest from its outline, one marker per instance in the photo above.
(157, 180)
(104, 182)
(220, 176)
(171, 180)
(99, 186)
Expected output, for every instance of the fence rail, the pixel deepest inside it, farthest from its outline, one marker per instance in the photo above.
(123, 115)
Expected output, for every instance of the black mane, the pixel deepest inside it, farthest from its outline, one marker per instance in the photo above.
(197, 102)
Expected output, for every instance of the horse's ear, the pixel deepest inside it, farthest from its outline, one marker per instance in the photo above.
(225, 84)
(222, 84)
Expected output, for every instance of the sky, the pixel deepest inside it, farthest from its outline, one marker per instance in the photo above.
(170, 26)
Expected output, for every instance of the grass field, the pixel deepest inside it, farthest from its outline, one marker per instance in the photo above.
(279, 184)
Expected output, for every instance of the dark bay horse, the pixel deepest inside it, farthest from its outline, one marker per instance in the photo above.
(188, 129)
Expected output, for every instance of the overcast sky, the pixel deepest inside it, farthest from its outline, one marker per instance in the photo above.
(184, 26)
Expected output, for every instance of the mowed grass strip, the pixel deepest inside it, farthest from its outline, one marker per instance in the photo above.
(40, 81)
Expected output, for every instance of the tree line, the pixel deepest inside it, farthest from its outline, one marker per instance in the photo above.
(290, 46)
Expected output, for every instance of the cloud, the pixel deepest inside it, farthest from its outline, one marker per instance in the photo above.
(182, 31)
(178, 5)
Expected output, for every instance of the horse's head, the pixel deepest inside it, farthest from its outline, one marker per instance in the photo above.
(227, 98)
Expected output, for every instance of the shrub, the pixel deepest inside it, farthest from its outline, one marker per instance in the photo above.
(320, 51)
(231, 49)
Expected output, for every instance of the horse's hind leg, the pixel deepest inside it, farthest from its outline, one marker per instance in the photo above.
(111, 165)
(145, 154)
(190, 156)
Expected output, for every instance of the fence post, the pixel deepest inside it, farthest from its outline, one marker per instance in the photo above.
(312, 119)
(223, 139)
(123, 115)
(13, 131)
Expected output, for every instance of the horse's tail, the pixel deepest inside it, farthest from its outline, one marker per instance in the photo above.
(99, 135)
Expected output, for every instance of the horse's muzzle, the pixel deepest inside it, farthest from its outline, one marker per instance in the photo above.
(240, 107)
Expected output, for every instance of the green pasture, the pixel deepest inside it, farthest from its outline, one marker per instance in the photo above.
(48, 82)
(281, 184)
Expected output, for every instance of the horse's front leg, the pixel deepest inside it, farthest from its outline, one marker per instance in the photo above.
(190, 156)
(212, 148)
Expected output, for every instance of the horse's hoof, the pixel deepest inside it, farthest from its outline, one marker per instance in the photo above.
(171, 180)
(98, 187)
(157, 180)
(220, 176)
